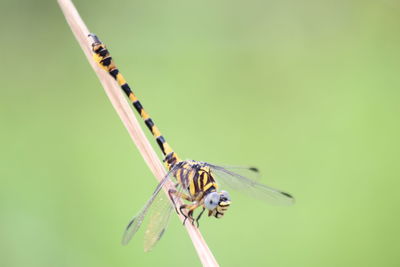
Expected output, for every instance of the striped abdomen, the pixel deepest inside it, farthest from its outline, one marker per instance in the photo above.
(102, 56)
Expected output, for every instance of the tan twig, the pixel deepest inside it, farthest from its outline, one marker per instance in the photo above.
(125, 112)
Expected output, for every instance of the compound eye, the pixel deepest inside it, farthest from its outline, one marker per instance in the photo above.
(225, 196)
(212, 200)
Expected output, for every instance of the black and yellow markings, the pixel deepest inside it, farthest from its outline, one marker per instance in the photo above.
(103, 58)
(161, 141)
(194, 177)
(178, 175)
(171, 158)
(197, 179)
(205, 179)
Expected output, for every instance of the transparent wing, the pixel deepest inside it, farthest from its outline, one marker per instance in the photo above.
(158, 221)
(137, 221)
(251, 172)
(159, 218)
(251, 187)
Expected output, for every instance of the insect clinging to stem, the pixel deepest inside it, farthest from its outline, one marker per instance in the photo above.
(195, 181)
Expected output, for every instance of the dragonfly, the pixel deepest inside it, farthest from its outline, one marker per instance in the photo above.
(195, 182)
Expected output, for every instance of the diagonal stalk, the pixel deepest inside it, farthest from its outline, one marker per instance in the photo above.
(125, 112)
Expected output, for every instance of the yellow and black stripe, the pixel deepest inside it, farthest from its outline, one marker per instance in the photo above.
(103, 58)
(196, 178)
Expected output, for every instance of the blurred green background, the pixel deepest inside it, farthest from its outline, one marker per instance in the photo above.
(308, 91)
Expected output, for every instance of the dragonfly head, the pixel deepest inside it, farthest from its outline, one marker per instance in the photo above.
(217, 203)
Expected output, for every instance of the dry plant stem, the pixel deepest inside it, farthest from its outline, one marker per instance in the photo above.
(125, 112)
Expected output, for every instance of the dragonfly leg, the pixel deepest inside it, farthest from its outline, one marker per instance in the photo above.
(189, 215)
(199, 216)
(184, 215)
(172, 192)
(179, 194)
(190, 209)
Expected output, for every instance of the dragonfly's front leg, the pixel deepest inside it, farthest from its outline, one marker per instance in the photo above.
(198, 202)
(199, 216)
(190, 209)
(172, 193)
(184, 206)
